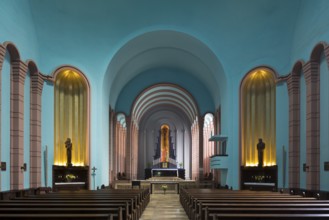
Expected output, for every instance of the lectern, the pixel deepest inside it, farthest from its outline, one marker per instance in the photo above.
(219, 161)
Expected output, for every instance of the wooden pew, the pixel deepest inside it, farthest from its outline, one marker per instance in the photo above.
(215, 204)
(57, 216)
(106, 204)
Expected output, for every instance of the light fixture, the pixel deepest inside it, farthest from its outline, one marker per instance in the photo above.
(23, 168)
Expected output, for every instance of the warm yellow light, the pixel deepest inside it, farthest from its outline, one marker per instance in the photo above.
(266, 164)
(71, 117)
(61, 163)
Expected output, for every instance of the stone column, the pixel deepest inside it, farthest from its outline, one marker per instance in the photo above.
(312, 77)
(113, 156)
(195, 152)
(18, 73)
(144, 132)
(128, 147)
(293, 84)
(200, 143)
(35, 132)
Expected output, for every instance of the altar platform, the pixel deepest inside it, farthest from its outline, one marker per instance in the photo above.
(155, 184)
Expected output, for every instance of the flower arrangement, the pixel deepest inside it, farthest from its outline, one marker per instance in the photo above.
(69, 177)
(164, 187)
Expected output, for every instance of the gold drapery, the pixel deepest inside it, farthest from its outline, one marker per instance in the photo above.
(164, 143)
(71, 117)
(258, 117)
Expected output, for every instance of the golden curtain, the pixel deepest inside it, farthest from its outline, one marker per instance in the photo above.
(258, 117)
(71, 117)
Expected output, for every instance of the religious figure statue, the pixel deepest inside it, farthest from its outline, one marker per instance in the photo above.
(68, 145)
(260, 148)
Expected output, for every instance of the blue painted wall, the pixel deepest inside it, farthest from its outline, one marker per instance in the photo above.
(88, 34)
(5, 122)
(311, 27)
(47, 128)
(324, 123)
(282, 133)
(302, 131)
(17, 26)
(27, 106)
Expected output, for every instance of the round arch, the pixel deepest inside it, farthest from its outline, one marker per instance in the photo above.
(164, 94)
(72, 115)
(165, 49)
(257, 90)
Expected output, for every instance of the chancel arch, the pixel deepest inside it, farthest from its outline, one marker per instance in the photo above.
(257, 116)
(71, 116)
(165, 112)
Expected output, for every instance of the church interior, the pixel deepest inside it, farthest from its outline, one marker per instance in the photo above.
(164, 96)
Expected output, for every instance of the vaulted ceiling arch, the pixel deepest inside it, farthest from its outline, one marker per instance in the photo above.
(164, 94)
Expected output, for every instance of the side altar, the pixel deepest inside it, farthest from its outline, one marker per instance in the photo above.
(70, 178)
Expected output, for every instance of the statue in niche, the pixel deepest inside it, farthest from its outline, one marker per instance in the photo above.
(260, 148)
(68, 146)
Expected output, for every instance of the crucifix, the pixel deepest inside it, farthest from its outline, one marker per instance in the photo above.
(93, 175)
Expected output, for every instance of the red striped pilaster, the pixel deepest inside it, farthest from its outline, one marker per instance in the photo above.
(311, 71)
(18, 73)
(35, 132)
(293, 84)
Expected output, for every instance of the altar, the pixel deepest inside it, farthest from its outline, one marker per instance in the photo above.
(164, 172)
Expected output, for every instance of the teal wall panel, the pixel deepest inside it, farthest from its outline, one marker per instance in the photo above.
(324, 123)
(282, 134)
(47, 127)
(5, 122)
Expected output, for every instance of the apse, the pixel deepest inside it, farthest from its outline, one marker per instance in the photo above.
(164, 113)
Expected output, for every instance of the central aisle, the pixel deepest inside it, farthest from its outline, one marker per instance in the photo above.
(164, 207)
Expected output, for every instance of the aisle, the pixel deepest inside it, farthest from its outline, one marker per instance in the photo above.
(164, 207)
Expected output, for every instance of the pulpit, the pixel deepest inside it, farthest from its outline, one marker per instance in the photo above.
(220, 161)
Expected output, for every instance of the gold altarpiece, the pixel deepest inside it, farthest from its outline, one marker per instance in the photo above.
(164, 143)
(258, 117)
(71, 117)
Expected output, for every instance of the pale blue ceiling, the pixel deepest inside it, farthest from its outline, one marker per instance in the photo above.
(234, 34)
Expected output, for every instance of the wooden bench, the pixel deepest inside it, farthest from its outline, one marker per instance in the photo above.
(103, 204)
(217, 204)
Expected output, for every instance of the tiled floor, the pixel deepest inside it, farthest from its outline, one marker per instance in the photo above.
(164, 207)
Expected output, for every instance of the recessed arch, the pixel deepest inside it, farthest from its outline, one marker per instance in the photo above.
(257, 115)
(72, 115)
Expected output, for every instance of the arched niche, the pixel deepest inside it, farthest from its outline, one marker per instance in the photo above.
(258, 116)
(71, 116)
